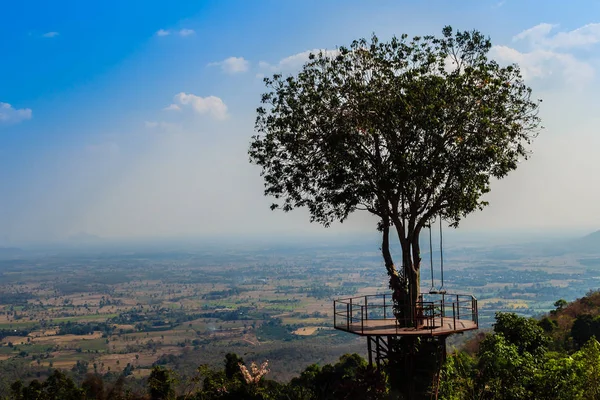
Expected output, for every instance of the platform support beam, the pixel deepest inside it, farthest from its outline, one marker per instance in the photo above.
(415, 374)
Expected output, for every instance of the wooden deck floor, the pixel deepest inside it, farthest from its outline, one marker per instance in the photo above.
(387, 327)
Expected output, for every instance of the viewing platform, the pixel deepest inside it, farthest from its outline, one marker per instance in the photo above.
(438, 315)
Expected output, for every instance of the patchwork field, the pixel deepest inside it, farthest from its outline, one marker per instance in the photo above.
(125, 312)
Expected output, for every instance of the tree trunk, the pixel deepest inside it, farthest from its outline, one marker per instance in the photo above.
(396, 281)
(411, 264)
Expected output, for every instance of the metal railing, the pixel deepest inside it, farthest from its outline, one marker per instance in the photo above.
(376, 314)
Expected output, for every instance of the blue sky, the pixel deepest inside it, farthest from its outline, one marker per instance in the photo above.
(132, 118)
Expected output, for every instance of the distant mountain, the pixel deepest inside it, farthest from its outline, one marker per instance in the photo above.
(588, 244)
(592, 239)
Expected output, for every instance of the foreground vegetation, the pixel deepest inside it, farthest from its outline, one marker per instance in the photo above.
(556, 357)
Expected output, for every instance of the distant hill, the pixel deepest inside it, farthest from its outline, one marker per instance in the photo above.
(585, 245)
(591, 240)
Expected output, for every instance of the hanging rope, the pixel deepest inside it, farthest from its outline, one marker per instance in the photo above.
(431, 257)
(433, 290)
(441, 255)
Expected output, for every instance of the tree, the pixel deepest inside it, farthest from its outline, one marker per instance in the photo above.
(161, 384)
(408, 130)
(584, 328)
(525, 333)
(504, 371)
(232, 366)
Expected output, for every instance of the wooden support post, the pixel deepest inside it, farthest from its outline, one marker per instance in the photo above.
(370, 350)
(377, 348)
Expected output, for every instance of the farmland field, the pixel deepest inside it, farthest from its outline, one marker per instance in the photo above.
(125, 311)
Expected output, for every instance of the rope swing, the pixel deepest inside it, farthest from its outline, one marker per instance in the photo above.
(441, 289)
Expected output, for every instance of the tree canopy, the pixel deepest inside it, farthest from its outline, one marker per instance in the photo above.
(407, 129)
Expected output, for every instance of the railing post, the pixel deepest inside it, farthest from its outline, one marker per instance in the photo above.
(351, 311)
(443, 306)
(366, 308)
(348, 316)
(334, 313)
(457, 307)
(453, 317)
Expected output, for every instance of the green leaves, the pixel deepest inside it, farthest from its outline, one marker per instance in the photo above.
(412, 128)
(524, 333)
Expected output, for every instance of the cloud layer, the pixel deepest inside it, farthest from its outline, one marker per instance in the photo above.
(540, 36)
(211, 105)
(232, 65)
(295, 61)
(11, 115)
(552, 55)
(181, 32)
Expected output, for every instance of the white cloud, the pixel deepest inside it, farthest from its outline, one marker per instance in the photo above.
(539, 64)
(11, 115)
(181, 32)
(540, 36)
(581, 37)
(535, 35)
(186, 32)
(547, 56)
(295, 61)
(172, 107)
(211, 105)
(50, 34)
(232, 65)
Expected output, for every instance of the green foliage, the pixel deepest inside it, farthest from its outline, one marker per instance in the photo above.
(58, 386)
(350, 378)
(161, 384)
(560, 304)
(525, 334)
(505, 372)
(514, 363)
(559, 378)
(424, 123)
(584, 328)
(589, 359)
(457, 378)
(548, 325)
(232, 366)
